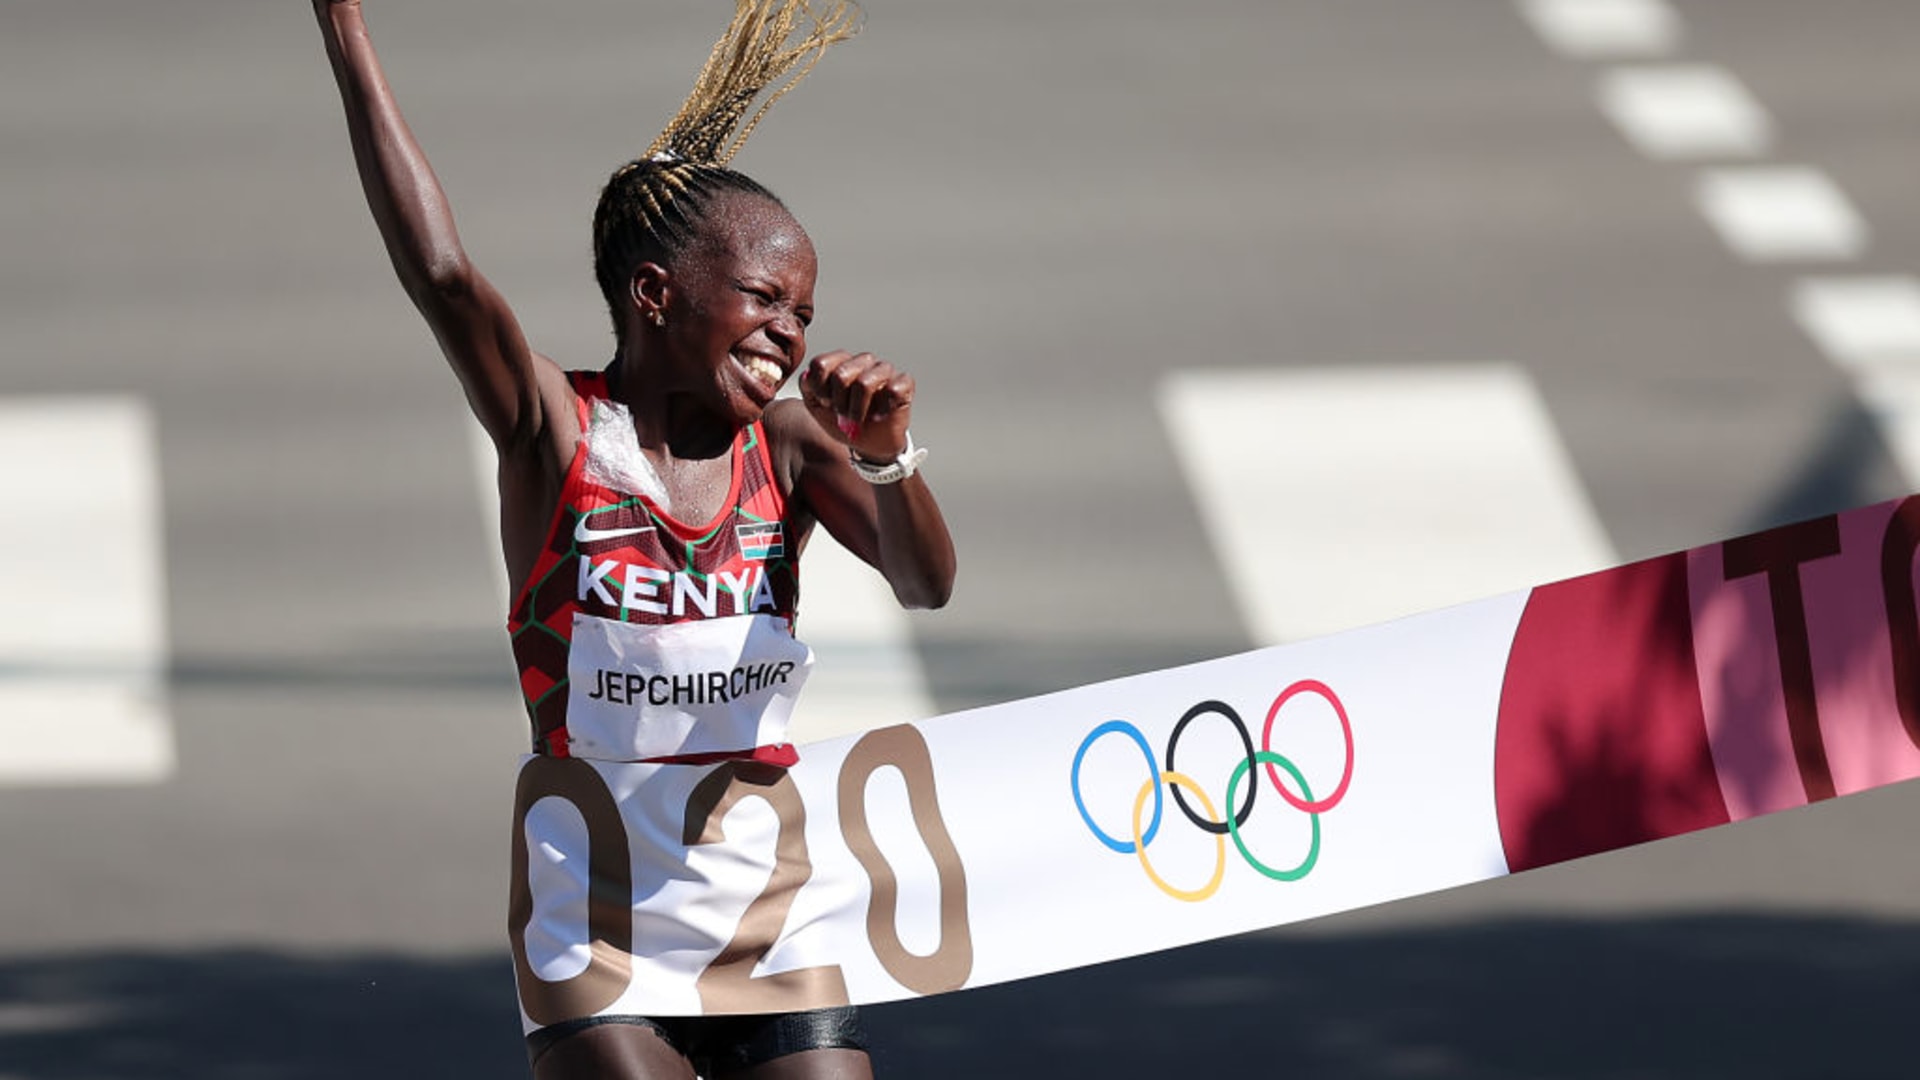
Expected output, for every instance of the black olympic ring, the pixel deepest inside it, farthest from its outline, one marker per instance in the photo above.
(1246, 739)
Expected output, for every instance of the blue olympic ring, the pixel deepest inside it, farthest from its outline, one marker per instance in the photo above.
(1124, 847)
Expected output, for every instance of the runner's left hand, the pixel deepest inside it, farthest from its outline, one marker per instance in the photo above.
(861, 400)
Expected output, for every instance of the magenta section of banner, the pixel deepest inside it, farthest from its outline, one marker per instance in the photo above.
(1736, 679)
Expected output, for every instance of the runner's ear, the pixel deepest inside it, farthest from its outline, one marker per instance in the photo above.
(648, 287)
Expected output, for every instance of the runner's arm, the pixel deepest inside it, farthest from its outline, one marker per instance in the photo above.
(896, 528)
(477, 331)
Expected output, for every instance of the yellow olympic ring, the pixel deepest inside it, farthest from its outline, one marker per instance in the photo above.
(1219, 839)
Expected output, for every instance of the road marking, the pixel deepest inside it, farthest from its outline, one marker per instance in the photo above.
(866, 672)
(1776, 213)
(1861, 322)
(82, 595)
(1603, 29)
(1892, 398)
(1339, 498)
(1869, 327)
(1686, 112)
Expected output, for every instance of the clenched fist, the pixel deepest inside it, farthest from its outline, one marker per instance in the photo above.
(863, 400)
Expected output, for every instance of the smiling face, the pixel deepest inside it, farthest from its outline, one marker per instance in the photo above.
(736, 304)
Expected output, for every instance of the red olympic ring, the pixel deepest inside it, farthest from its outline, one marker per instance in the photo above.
(1312, 686)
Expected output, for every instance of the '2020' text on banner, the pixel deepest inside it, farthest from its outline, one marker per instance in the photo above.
(1654, 699)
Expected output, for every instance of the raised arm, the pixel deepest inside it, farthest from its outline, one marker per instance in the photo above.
(502, 376)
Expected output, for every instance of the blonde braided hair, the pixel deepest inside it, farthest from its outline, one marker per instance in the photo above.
(653, 206)
(751, 56)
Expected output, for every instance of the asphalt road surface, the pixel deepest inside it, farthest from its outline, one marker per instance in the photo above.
(1045, 209)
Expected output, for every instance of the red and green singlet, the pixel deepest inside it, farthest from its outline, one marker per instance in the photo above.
(640, 637)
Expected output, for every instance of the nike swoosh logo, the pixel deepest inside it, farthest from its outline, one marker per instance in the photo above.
(584, 533)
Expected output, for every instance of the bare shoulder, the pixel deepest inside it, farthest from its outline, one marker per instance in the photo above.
(787, 419)
(551, 427)
(533, 465)
(795, 440)
(557, 399)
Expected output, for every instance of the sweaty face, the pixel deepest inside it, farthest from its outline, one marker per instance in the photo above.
(744, 296)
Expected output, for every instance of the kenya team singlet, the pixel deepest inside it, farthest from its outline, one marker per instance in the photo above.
(640, 637)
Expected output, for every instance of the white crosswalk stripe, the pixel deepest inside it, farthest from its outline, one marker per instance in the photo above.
(82, 595)
(1771, 214)
(1685, 112)
(1892, 398)
(1862, 323)
(1605, 29)
(1869, 327)
(1338, 498)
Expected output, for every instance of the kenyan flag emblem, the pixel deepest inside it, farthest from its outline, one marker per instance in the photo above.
(761, 540)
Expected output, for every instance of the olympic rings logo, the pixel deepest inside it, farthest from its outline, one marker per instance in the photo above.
(1220, 826)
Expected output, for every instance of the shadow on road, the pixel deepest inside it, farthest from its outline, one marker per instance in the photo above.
(1674, 998)
(1697, 997)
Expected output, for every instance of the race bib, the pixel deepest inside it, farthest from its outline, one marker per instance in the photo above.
(641, 691)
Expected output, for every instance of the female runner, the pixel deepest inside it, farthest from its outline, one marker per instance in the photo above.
(652, 512)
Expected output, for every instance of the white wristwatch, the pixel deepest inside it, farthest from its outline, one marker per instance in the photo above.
(893, 471)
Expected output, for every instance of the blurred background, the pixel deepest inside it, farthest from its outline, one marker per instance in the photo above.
(1236, 321)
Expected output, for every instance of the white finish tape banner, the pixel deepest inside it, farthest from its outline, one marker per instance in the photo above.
(1654, 699)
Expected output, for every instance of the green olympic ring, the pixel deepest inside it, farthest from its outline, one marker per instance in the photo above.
(1313, 851)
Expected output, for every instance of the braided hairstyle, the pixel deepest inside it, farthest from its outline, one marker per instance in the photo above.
(654, 206)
